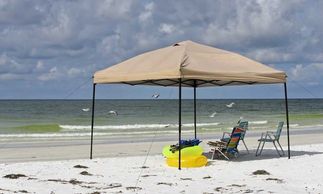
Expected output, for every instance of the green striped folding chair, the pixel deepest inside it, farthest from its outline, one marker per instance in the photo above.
(244, 126)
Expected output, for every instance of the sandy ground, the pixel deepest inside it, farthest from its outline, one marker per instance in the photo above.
(139, 174)
(135, 165)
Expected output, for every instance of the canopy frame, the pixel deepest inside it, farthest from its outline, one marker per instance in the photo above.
(180, 82)
(187, 84)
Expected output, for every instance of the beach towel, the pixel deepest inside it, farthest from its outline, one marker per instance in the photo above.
(184, 144)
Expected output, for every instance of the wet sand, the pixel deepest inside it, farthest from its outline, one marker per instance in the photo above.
(51, 149)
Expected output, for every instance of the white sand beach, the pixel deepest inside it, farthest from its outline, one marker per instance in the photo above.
(134, 172)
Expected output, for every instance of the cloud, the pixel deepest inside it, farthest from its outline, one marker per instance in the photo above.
(11, 12)
(45, 41)
(310, 74)
(147, 13)
(40, 65)
(74, 72)
(52, 74)
(166, 28)
(10, 65)
(12, 76)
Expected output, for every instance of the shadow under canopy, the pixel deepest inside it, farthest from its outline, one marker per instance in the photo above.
(189, 64)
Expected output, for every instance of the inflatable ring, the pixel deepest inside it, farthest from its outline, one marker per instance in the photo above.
(188, 162)
(185, 152)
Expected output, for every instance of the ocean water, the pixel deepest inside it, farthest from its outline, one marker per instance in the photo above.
(66, 119)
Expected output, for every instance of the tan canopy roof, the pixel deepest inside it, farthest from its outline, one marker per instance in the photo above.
(198, 65)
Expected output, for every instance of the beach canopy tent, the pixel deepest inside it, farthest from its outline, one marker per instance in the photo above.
(189, 64)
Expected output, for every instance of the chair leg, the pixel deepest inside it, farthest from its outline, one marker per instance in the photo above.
(244, 143)
(276, 149)
(226, 157)
(281, 148)
(213, 153)
(262, 147)
(258, 148)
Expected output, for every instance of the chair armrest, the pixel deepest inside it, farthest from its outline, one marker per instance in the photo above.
(217, 144)
(263, 135)
(225, 133)
(268, 135)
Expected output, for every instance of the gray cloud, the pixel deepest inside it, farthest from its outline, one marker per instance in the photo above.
(49, 41)
(311, 74)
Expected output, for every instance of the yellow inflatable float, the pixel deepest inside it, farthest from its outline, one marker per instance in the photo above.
(185, 152)
(188, 161)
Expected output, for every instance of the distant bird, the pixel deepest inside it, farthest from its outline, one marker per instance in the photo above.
(113, 112)
(85, 109)
(213, 114)
(155, 96)
(230, 105)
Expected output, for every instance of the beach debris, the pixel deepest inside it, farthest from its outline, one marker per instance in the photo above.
(230, 105)
(113, 185)
(275, 179)
(213, 114)
(72, 181)
(19, 191)
(148, 175)
(85, 109)
(248, 191)
(261, 172)
(133, 188)
(75, 182)
(86, 173)
(236, 185)
(144, 167)
(96, 192)
(31, 178)
(163, 183)
(219, 189)
(155, 95)
(80, 166)
(186, 179)
(207, 177)
(14, 176)
(113, 112)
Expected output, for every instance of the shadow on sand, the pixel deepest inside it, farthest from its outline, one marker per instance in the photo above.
(266, 154)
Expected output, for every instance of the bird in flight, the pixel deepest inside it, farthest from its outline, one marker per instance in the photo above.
(213, 114)
(85, 109)
(230, 105)
(155, 96)
(113, 112)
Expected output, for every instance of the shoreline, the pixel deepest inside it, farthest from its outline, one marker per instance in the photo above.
(49, 150)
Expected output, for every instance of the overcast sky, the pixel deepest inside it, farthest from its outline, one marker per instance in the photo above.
(50, 49)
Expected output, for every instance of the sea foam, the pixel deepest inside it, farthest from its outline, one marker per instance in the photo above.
(134, 126)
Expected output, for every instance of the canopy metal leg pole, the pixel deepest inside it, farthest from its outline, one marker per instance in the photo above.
(195, 109)
(92, 121)
(179, 121)
(287, 119)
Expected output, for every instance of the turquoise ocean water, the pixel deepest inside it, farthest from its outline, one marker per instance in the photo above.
(66, 119)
